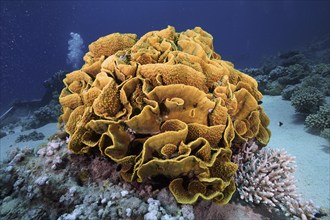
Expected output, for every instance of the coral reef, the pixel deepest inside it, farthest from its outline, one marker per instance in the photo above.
(41, 116)
(55, 82)
(89, 187)
(318, 81)
(277, 78)
(44, 115)
(33, 180)
(54, 86)
(233, 211)
(320, 120)
(304, 82)
(166, 114)
(288, 75)
(322, 69)
(274, 88)
(307, 99)
(288, 91)
(2, 134)
(325, 133)
(292, 57)
(266, 177)
(318, 51)
(33, 114)
(33, 136)
(289, 69)
(78, 187)
(164, 107)
(293, 75)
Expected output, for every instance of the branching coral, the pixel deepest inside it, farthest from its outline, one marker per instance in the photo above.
(320, 121)
(266, 176)
(307, 99)
(165, 106)
(318, 81)
(325, 133)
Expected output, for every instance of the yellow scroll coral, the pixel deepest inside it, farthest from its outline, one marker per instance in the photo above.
(165, 105)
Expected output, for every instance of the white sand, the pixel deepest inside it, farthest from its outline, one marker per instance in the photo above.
(8, 142)
(312, 152)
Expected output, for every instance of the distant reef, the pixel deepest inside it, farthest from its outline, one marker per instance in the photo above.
(303, 77)
(33, 114)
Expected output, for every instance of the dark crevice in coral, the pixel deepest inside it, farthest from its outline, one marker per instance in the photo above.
(141, 136)
(163, 109)
(118, 167)
(136, 111)
(160, 181)
(135, 149)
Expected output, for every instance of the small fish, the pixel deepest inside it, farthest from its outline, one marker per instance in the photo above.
(259, 102)
(280, 123)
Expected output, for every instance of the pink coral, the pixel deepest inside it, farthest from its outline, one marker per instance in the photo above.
(266, 176)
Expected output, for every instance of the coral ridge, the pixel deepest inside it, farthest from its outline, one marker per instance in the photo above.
(164, 105)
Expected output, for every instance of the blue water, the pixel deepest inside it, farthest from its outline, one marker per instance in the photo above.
(35, 34)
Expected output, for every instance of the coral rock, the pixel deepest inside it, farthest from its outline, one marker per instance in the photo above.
(110, 44)
(166, 106)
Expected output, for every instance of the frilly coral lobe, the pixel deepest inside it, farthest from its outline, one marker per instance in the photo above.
(165, 105)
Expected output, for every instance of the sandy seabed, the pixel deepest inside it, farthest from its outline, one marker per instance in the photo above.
(311, 151)
(8, 142)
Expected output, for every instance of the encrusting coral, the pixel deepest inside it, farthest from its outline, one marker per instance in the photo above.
(164, 106)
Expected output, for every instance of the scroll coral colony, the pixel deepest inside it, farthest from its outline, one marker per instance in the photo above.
(164, 105)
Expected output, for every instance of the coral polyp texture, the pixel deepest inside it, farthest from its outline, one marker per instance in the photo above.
(164, 106)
